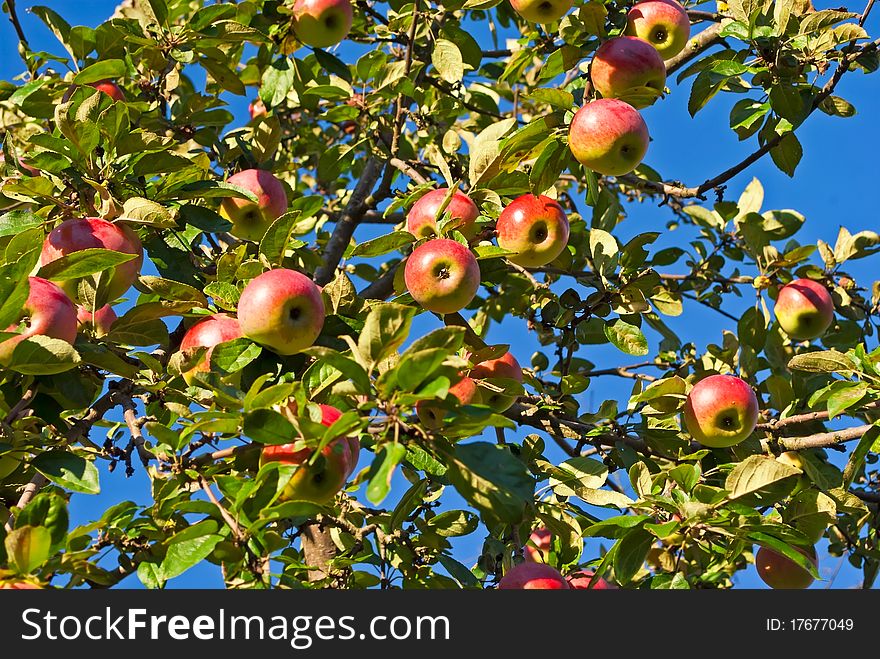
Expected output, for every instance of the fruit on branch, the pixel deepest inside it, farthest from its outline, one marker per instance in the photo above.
(110, 88)
(539, 548)
(582, 580)
(608, 136)
(505, 367)
(533, 576)
(662, 23)
(98, 321)
(207, 333)
(442, 275)
(257, 108)
(804, 309)
(322, 23)
(535, 228)
(622, 67)
(251, 219)
(47, 312)
(319, 481)
(96, 233)
(421, 221)
(720, 411)
(431, 414)
(780, 572)
(282, 310)
(542, 11)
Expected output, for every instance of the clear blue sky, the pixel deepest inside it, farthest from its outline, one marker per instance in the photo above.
(834, 185)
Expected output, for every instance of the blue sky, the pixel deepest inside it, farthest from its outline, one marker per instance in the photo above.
(833, 186)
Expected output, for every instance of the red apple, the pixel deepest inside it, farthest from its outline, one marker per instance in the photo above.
(780, 572)
(98, 322)
(582, 580)
(442, 275)
(110, 88)
(90, 233)
(608, 136)
(250, 220)
(535, 228)
(662, 23)
(804, 309)
(421, 221)
(47, 312)
(431, 414)
(622, 67)
(533, 576)
(539, 548)
(257, 108)
(282, 310)
(19, 585)
(542, 11)
(720, 411)
(322, 23)
(504, 367)
(320, 481)
(208, 333)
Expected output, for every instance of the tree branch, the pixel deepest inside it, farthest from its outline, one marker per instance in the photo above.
(23, 46)
(822, 439)
(227, 517)
(777, 425)
(700, 42)
(30, 490)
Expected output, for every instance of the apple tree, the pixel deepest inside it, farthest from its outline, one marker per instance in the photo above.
(335, 342)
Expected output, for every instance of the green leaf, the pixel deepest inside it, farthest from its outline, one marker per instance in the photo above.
(785, 549)
(547, 168)
(447, 59)
(615, 527)
(705, 86)
(232, 356)
(837, 107)
(385, 329)
(627, 338)
(224, 76)
(382, 470)
(383, 244)
(28, 547)
(604, 498)
(42, 355)
(175, 291)
(279, 238)
(632, 550)
(184, 554)
(144, 211)
(15, 222)
(345, 365)
(577, 473)
(557, 98)
(844, 398)
(454, 523)
(276, 82)
(857, 457)
(755, 473)
(212, 189)
(787, 154)
(83, 263)
(826, 361)
(68, 470)
(108, 69)
(266, 426)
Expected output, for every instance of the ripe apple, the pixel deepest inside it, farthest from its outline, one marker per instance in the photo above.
(541, 540)
(804, 309)
(505, 367)
(542, 11)
(535, 227)
(720, 411)
(282, 310)
(110, 88)
(257, 108)
(322, 23)
(431, 414)
(320, 481)
(90, 233)
(780, 572)
(662, 23)
(442, 275)
(624, 64)
(608, 136)
(250, 220)
(533, 576)
(421, 219)
(98, 322)
(582, 580)
(208, 333)
(47, 311)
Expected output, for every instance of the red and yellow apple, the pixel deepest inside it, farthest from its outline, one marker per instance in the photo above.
(504, 367)
(442, 275)
(804, 309)
(322, 23)
(662, 23)
(318, 482)
(47, 312)
(538, 548)
(421, 221)
(99, 321)
(431, 414)
(533, 576)
(110, 88)
(257, 108)
(623, 66)
(535, 228)
(721, 411)
(542, 11)
(583, 580)
(780, 572)
(251, 219)
(95, 233)
(608, 136)
(207, 333)
(282, 310)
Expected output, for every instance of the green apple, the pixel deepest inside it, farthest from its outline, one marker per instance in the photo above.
(721, 411)
(608, 136)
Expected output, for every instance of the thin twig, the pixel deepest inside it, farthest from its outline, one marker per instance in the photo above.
(227, 517)
(30, 490)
